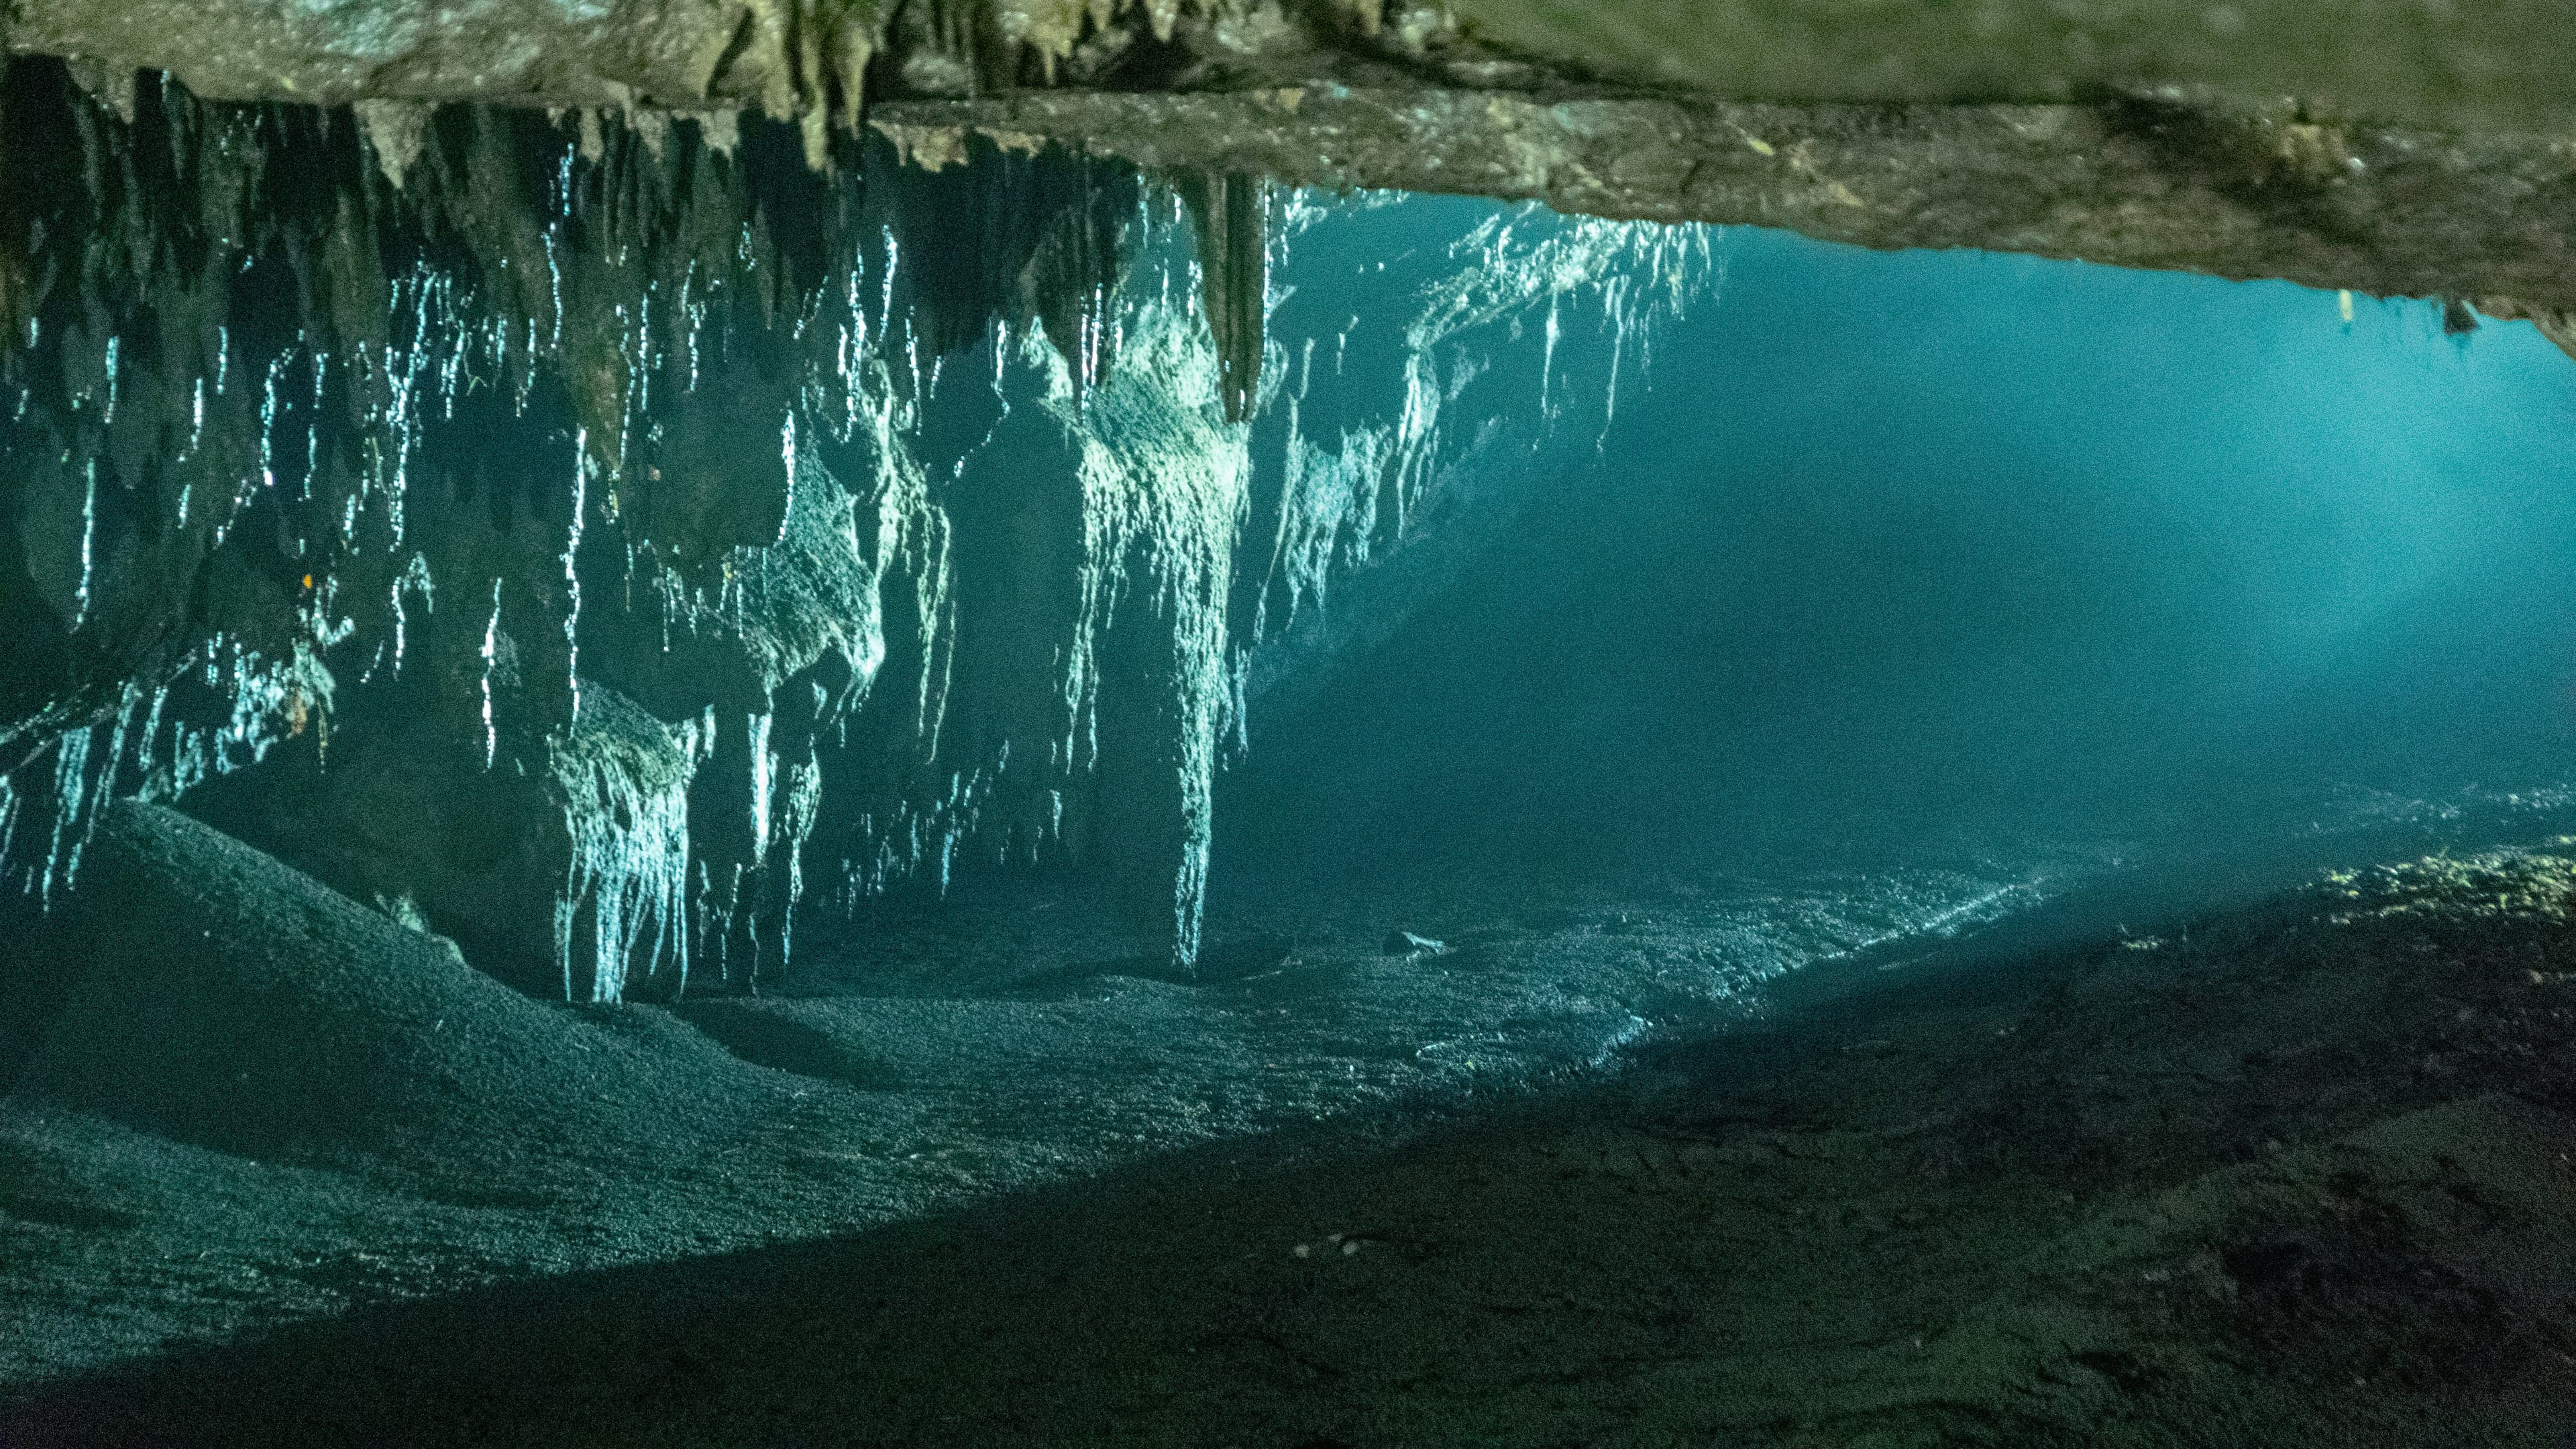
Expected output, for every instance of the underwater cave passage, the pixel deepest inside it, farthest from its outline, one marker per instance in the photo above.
(1095, 806)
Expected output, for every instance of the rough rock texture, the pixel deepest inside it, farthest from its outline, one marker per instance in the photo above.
(2399, 146)
(673, 53)
(2278, 192)
(2486, 64)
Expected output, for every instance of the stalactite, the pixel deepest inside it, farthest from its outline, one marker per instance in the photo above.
(396, 132)
(1230, 213)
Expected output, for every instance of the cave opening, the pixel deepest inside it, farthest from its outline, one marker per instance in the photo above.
(980, 760)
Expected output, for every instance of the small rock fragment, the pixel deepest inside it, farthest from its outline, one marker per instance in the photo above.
(1405, 943)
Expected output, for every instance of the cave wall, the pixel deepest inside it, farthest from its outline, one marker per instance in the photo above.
(616, 541)
(587, 450)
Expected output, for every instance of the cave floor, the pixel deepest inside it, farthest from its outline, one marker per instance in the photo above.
(2299, 1173)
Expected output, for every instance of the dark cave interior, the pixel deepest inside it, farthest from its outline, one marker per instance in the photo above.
(695, 777)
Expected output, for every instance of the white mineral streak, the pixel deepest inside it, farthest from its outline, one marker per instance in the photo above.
(88, 545)
(9, 809)
(762, 764)
(491, 653)
(572, 575)
(414, 580)
(76, 808)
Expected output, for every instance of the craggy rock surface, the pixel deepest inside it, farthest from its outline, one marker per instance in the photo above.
(2393, 147)
(2293, 1175)
(665, 52)
(2482, 64)
(2489, 64)
(2384, 210)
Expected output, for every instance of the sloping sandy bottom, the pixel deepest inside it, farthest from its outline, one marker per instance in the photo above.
(2297, 1174)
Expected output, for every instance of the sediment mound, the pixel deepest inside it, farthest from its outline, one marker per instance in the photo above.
(198, 988)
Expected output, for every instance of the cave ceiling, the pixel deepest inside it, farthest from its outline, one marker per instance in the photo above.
(2395, 147)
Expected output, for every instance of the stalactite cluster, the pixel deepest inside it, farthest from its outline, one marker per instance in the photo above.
(811, 65)
(537, 429)
(606, 526)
